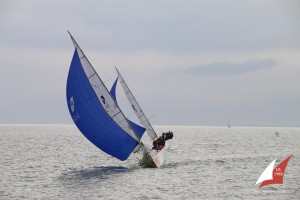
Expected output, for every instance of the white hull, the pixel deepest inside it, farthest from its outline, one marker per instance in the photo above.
(155, 158)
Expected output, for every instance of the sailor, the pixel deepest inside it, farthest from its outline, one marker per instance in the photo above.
(159, 143)
(167, 135)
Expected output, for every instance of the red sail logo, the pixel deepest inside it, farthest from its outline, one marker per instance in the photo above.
(273, 176)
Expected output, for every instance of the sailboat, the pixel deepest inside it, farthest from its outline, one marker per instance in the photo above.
(228, 124)
(96, 113)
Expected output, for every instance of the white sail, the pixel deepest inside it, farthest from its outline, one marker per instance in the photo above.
(137, 109)
(103, 94)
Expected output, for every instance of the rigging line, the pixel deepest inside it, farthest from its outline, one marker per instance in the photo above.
(116, 114)
(107, 80)
(103, 81)
(130, 115)
(146, 121)
(92, 75)
(143, 115)
(152, 116)
(123, 120)
(96, 86)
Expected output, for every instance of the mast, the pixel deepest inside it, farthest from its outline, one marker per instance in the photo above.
(101, 91)
(137, 109)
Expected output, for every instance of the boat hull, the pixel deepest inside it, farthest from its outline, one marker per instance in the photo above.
(159, 159)
(155, 158)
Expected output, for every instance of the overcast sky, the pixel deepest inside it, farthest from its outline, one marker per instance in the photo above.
(188, 62)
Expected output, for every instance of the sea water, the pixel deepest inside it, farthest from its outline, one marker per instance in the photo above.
(57, 162)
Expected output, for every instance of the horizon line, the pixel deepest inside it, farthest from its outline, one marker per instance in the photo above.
(231, 126)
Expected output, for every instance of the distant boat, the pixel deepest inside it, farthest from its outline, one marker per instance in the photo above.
(228, 124)
(97, 115)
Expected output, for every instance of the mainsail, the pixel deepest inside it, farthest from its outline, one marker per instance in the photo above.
(95, 112)
(137, 109)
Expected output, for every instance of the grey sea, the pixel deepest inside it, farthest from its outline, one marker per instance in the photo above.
(57, 162)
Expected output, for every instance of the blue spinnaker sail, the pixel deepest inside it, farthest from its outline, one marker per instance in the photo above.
(90, 116)
(113, 90)
(137, 128)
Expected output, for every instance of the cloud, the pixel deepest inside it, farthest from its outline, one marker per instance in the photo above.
(225, 68)
(169, 26)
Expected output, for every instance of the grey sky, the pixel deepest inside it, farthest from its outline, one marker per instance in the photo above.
(188, 62)
(230, 68)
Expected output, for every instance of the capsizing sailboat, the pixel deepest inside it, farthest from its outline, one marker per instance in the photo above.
(96, 113)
